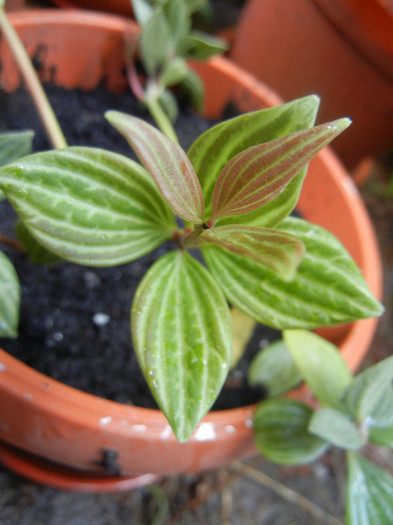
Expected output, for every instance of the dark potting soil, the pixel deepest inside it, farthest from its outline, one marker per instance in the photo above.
(74, 322)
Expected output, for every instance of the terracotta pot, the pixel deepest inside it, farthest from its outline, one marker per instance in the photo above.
(340, 49)
(119, 7)
(73, 428)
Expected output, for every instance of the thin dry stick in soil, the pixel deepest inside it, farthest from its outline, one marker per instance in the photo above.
(285, 493)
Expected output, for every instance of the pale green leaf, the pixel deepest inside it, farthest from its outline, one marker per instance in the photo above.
(217, 146)
(370, 397)
(382, 436)
(274, 369)
(166, 162)
(155, 44)
(9, 298)
(259, 174)
(178, 20)
(280, 431)
(182, 335)
(336, 428)
(369, 495)
(278, 251)
(14, 145)
(88, 205)
(321, 366)
(328, 287)
(174, 72)
(201, 46)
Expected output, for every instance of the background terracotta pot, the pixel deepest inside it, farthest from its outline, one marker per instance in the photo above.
(340, 49)
(73, 428)
(120, 7)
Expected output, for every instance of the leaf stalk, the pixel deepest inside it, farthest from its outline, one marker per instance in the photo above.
(33, 84)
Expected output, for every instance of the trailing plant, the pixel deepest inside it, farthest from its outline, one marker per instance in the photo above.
(229, 199)
(351, 413)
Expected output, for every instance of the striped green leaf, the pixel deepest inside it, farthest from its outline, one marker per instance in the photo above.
(328, 287)
(88, 205)
(280, 430)
(9, 298)
(217, 146)
(260, 173)
(369, 494)
(182, 334)
(167, 163)
(278, 251)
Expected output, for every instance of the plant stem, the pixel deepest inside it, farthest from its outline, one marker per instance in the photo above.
(33, 83)
(160, 118)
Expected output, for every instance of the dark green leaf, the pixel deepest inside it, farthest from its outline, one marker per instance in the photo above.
(34, 249)
(328, 287)
(275, 250)
(321, 365)
(370, 397)
(168, 102)
(182, 335)
(217, 146)
(9, 298)
(369, 498)
(336, 428)
(166, 162)
(88, 205)
(193, 88)
(259, 174)
(280, 430)
(274, 369)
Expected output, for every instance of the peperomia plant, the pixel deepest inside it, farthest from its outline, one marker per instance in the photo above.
(229, 197)
(351, 413)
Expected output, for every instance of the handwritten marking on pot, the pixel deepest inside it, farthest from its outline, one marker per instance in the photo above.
(105, 421)
(2, 367)
(205, 432)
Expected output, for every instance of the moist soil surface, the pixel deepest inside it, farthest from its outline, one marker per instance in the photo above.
(74, 322)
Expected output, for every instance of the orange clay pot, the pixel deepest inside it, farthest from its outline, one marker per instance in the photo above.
(119, 7)
(340, 49)
(72, 428)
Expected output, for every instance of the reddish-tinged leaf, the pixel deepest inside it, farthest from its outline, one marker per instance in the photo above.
(167, 163)
(279, 251)
(260, 173)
